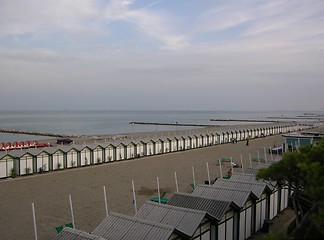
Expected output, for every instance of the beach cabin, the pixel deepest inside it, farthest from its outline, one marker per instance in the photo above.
(141, 149)
(150, 148)
(199, 138)
(194, 141)
(121, 227)
(244, 199)
(72, 157)
(42, 160)
(130, 150)
(57, 159)
(24, 163)
(189, 223)
(166, 145)
(120, 152)
(73, 234)
(6, 165)
(159, 146)
(110, 153)
(181, 143)
(98, 154)
(174, 144)
(85, 155)
(224, 223)
(261, 191)
(187, 142)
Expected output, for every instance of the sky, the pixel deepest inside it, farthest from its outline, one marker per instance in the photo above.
(162, 55)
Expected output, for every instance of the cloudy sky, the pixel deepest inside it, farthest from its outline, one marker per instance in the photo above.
(162, 54)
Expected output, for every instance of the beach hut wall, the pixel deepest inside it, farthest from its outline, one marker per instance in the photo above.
(120, 152)
(110, 153)
(150, 148)
(6, 165)
(85, 156)
(159, 147)
(199, 140)
(194, 141)
(131, 150)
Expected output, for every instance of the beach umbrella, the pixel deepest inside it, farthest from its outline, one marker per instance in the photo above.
(220, 168)
(250, 160)
(265, 155)
(158, 188)
(193, 176)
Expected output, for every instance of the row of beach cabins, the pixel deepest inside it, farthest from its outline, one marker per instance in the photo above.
(228, 209)
(39, 160)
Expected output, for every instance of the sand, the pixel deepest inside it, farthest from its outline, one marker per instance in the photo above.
(50, 191)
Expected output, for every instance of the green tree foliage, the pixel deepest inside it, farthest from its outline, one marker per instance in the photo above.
(302, 172)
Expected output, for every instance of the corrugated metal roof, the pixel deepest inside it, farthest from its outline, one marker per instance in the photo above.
(185, 220)
(251, 178)
(74, 234)
(256, 188)
(238, 196)
(120, 227)
(215, 208)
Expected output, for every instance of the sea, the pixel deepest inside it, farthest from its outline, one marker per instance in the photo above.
(103, 122)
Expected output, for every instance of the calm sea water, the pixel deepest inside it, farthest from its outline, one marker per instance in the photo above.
(112, 122)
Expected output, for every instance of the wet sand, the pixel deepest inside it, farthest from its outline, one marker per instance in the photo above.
(50, 191)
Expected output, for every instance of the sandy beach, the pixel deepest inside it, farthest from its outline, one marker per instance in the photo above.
(50, 191)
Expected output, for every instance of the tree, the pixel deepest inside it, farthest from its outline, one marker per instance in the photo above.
(302, 172)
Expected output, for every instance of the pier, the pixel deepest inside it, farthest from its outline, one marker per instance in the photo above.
(36, 133)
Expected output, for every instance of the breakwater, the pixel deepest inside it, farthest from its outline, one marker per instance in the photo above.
(245, 120)
(36, 133)
(174, 124)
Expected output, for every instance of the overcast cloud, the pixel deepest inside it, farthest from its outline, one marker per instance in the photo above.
(162, 55)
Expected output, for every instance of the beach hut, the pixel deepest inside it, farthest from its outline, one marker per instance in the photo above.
(120, 152)
(110, 153)
(72, 157)
(42, 159)
(166, 145)
(6, 165)
(244, 199)
(24, 163)
(159, 146)
(199, 138)
(150, 148)
(187, 142)
(260, 190)
(194, 141)
(121, 227)
(85, 155)
(98, 154)
(130, 150)
(223, 213)
(174, 144)
(68, 233)
(141, 149)
(181, 143)
(57, 159)
(189, 223)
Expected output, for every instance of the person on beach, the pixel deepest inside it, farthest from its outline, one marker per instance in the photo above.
(247, 142)
(229, 172)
